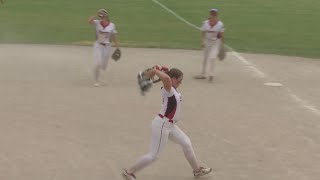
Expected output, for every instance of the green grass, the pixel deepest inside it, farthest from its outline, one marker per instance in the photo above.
(287, 27)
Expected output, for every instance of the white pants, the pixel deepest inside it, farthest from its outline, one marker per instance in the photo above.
(101, 55)
(162, 130)
(211, 52)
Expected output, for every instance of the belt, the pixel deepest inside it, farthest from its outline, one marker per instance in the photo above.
(103, 44)
(162, 116)
(212, 39)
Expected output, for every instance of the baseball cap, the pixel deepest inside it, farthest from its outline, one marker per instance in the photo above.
(214, 10)
(102, 12)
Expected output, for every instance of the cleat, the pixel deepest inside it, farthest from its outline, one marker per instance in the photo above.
(202, 171)
(200, 77)
(96, 84)
(210, 78)
(128, 176)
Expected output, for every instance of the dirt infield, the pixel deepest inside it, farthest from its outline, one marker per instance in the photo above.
(54, 125)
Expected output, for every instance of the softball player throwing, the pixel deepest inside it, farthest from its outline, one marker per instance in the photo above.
(105, 34)
(212, 40)
(164, 125)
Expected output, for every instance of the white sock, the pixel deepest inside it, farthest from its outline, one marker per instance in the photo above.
(97, 73)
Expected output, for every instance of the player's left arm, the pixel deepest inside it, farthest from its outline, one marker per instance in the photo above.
(221, 36)
(115, 40)
(221, 33)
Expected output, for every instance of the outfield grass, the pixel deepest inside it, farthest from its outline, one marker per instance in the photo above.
(276, 26)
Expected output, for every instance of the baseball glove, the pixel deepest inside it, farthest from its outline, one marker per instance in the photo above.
(145, 83)
(222, 53)
(116, 55)
(145, 80)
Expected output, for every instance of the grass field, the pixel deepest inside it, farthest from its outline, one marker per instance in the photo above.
(275, 26)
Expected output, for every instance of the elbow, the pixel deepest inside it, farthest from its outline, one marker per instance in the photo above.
(167, 79)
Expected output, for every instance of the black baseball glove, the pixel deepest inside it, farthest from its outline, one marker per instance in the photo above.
(116, 55)
(145, 80)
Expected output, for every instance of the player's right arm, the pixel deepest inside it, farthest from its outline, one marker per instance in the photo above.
(91, 20)
(166, 80)
(203, 34)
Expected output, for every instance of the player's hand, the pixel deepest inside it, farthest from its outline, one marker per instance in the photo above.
(91, 20)
(149, 73)
(203, 45)
(161, 68)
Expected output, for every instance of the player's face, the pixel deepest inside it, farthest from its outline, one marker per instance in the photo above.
(213, 14)
(176, 82)
(102, 16)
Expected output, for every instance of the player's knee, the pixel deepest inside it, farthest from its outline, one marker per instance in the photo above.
(104, 67)
(97, 66)
(187, 143)
(152, 157)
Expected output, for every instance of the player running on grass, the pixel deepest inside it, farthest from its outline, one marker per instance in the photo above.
(105, 34)
(164, 125)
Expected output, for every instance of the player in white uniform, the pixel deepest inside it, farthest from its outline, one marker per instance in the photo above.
(164, 126)
(212, 33)
(105, 34)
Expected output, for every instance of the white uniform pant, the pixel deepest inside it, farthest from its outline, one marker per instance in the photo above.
(211, 52)
(101, 55)
(162, 130)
